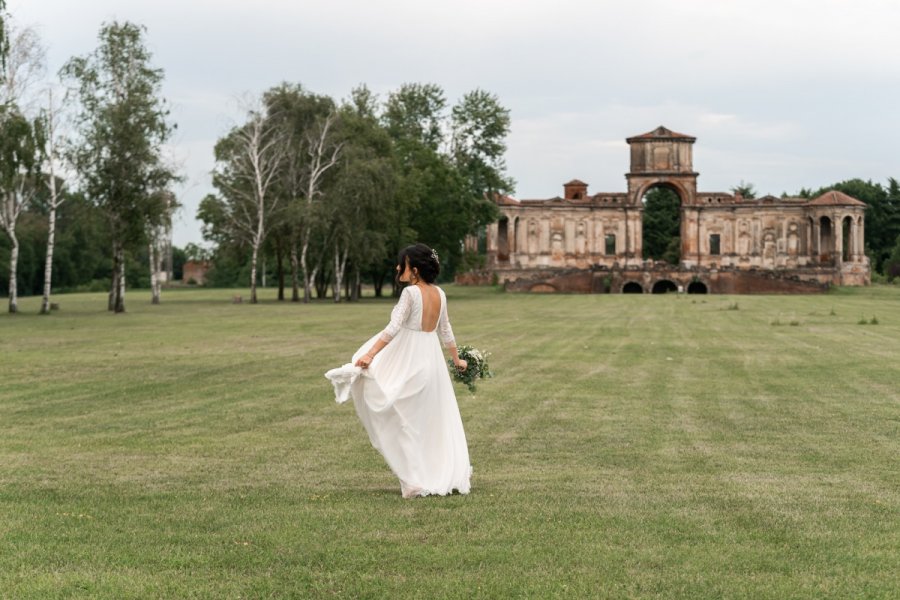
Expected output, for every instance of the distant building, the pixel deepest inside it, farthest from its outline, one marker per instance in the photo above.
(729, 244)
(195, 271)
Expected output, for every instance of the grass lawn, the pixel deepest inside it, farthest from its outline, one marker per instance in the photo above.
(628, 447)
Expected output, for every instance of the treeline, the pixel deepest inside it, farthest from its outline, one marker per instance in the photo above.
(103, 178)
(310, 190)
(325, 193)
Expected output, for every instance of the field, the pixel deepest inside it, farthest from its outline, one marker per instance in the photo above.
(628, 447)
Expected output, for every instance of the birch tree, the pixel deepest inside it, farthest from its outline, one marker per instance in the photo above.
(19, 152)
(323, 152)
(55, 188)
(248, 161)
(21, 139)
(300, 115)
(159, 244)
(122, 124)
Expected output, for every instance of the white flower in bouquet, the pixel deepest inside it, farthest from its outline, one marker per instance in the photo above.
(476, 367)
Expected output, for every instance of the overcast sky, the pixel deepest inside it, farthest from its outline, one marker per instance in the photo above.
(782, 94)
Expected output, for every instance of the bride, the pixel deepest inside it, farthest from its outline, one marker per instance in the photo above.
(401, 388)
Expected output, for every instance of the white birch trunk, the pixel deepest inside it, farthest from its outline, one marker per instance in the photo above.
(154, 270)
(308, 277)
(48, 263)
(253, 274)
(340, 267)
(257, 242)
(55, 201)
(338, 276)
(117, 287)
(13, 266)
(120, 302)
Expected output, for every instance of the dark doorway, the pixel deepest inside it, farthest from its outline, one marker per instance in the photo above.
(697, 287)
(632, 287)
(846, 232)
(664, 286)
(826, 240)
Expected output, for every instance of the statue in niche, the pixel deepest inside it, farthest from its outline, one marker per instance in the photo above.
(533, 237)
(556, 245)
(743, 245)
(769, 249)
(793, 240)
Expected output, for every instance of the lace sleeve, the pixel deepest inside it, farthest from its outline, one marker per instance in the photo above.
(445, 331)
(398, 316)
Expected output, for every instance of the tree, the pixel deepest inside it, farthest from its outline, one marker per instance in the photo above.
(21, 139)
(122, 125)
(159, 245)
(361, 208)
(307, 122)
(450, 184)
(892, 264)
(662, 225)
(55, 187)
(248, 162)
(747, 190)
(19, 151)
(323, 152)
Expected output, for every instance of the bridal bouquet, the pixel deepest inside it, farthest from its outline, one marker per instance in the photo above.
(477, 366)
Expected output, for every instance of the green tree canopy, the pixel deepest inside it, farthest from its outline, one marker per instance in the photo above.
(662, 225)
(122, 124)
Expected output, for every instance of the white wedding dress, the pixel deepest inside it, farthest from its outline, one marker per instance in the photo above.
(406, 402)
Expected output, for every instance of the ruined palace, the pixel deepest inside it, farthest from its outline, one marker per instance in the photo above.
(592, 242)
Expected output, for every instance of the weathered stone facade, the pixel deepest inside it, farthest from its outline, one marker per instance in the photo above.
(729, 244)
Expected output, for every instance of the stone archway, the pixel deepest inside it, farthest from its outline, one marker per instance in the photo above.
(826, 240)
(632, 287)
(697, 287)
(661, 223)
(664, 286)
(663, 159)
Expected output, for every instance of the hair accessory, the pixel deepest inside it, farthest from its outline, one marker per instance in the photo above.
(434, 256)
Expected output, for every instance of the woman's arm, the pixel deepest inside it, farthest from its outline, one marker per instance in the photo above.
(398, 317)
(445, 332)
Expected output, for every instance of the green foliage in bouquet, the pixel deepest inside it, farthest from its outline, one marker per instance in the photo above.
(477, 366)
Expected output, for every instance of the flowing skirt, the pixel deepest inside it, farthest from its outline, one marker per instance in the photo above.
(406, 402)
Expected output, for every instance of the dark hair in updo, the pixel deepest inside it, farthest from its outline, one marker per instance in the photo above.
(422, 258)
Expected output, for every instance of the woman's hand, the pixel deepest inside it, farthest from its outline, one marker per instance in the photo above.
(364, 361)
(462, 365)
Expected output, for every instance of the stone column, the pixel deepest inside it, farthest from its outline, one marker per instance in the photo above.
(817, 239)
(838, 241)
(860, 239)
